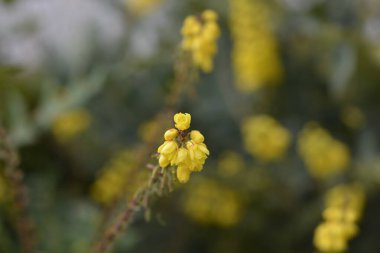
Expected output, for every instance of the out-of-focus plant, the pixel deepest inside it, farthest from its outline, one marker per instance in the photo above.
(255, 56)
(115, 176)
(16, 188)
(199, 38)
(344, 204)
(265, 138)
(70, 124)
(142, 7)
(208, 202)
(323, 155)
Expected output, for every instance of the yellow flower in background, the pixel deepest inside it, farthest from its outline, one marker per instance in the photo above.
(147, 131)
(183, 149)
(70, 124)
(142, 7)
(230, 163)
(330, 237)
(343, 208)
(209, 202)
(323, 155)
(118, 177)
(344, 202)
(200, 36)
(265, 138)
(255, 56)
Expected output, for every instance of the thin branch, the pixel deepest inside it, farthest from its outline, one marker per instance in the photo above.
(23, 222)
(125, 218)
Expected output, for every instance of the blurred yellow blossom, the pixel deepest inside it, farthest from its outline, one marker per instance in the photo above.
(147, 130)
(200, 36)
(346, 198)
(323, 155)
(255, 56)
(230, 163)
(142, 7)
(330, 237)
(265, 138)
(70, 124)
(183, 149)
(209, 202)
(118, 177)
(343, 207)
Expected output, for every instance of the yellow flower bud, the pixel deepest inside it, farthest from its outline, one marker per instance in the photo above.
(182, 155)
(196, 136)
(182, 121)
(163, 161)
(183, 173)
(169, 147)
(170, 134)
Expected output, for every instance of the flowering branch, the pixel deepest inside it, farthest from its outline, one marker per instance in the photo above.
(185, 152)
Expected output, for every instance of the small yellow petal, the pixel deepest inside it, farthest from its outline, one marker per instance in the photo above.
(203, 148)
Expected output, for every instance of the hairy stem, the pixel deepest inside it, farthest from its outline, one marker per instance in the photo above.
(140, 201)
(18, 194)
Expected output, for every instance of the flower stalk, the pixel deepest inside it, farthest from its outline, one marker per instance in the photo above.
(156, 186)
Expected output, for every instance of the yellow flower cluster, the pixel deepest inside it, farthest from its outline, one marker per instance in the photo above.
(255, 55)
(183, 149)
(117, 178)
(265, 138)
(200, 36)
(208, 202)
(323, 155)
(142, 7)
(70, 124)
(344, 204)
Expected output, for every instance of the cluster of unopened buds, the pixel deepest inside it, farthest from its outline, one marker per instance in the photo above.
(183, 149)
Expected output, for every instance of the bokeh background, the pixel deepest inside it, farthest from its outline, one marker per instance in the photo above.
(290, 110)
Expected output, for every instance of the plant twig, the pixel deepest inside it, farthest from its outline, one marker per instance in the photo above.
(18, 193)
(125, 218)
